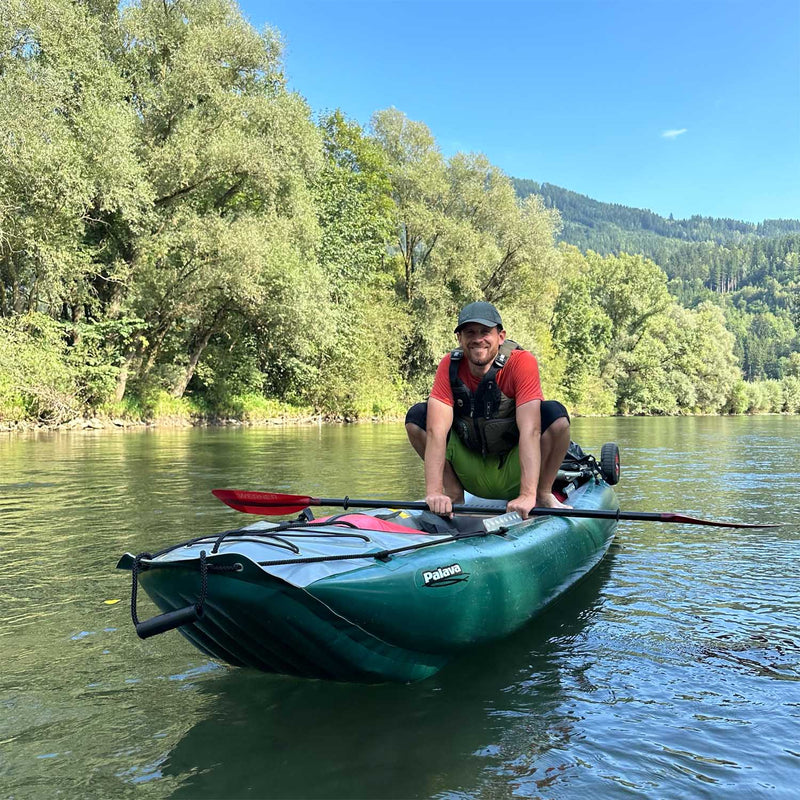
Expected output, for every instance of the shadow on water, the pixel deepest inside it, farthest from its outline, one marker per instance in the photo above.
(270, 736)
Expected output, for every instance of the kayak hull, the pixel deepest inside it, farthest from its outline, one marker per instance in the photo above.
(396, 618)
(275, 627)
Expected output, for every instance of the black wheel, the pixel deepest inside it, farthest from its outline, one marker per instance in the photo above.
(609, 463)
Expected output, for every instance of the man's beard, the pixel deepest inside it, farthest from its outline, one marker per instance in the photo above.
(480, 358)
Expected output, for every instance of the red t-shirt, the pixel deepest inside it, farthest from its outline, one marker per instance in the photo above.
(518, 379)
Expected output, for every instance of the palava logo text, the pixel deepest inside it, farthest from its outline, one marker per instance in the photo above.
(444, 576)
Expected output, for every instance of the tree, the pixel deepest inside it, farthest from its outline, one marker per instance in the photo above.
(463, 235)
(419, 189)
(68, 163)
(355, 207)
(230, 155)
(360, 359)
(582, 331)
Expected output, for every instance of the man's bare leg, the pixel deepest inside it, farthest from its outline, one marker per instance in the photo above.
(554, 443)
(418, 438)
(452, 485)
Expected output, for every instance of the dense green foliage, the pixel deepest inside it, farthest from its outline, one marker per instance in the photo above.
(751, 271)
(179, 235)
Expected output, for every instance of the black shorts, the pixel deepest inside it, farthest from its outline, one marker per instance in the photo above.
(551, 411)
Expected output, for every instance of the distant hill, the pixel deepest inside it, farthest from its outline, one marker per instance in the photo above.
(611, 227)
(751, 270)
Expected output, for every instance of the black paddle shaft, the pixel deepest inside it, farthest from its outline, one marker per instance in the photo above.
(256, 502)
(536, 511)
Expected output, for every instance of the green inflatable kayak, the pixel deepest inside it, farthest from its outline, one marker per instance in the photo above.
(383, 595)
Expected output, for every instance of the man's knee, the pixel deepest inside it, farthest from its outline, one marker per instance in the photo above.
(417, 437)
(417, 416)
(416, 424)
(415, 433)
(558, 427)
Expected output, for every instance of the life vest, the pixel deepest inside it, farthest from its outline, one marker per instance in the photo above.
(485, 420)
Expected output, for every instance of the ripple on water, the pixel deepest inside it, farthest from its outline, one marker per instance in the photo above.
(673, 672)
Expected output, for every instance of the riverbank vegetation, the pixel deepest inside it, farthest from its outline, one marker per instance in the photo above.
(179, 235)
(751, 271)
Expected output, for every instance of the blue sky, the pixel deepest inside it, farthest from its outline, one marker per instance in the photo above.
(579, 93)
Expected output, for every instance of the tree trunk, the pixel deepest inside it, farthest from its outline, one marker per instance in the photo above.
(200, 344)
(122, 378)
(405, 249)
(155, 346)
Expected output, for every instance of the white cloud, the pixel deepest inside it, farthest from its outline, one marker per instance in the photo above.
(673, 134)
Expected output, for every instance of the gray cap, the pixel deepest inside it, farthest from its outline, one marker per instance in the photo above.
(481, 312)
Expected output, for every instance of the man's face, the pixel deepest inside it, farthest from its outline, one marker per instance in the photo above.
(479, 343)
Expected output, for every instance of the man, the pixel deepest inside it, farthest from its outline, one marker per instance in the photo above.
(486, 426)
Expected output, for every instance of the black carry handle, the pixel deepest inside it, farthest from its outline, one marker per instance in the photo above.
(169, 621)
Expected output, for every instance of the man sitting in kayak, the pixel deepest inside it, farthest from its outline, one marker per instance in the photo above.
(486, 427)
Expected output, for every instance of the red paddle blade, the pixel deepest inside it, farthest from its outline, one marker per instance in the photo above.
(266, 503)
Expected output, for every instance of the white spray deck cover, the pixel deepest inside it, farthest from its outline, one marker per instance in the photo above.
(312, 542)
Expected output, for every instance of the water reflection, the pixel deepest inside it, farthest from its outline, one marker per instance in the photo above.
(402, 741)
(675, 676)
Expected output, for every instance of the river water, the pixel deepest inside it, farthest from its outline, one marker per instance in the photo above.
(673, 671)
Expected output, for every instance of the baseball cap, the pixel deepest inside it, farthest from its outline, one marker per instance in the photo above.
(481, 312)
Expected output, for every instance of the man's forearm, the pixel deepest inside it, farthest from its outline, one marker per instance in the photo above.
(529, 462)
(434, 463)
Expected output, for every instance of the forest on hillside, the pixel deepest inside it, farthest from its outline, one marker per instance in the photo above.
(751, 271)
(612, 219)
(179, 234)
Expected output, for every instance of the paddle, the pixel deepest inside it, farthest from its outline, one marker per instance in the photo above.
(270, 503)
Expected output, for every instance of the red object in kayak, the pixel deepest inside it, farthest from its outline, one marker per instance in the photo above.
(365, 522)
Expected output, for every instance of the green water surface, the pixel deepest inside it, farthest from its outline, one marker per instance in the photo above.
(674, 671)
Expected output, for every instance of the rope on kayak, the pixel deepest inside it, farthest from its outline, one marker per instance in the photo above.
(134, 588)
(204, 569)
(279, 542)
(291, 526)
(259, 536)
(380, 555)
(203, 583)
(152, 564)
